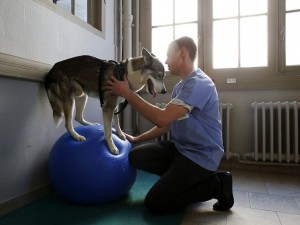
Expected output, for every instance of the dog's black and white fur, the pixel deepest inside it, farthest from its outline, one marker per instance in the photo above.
(74, 79)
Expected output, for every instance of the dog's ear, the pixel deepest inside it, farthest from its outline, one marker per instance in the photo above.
(148, 56)
(146, 53)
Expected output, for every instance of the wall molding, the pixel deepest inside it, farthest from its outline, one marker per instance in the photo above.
(17, 67)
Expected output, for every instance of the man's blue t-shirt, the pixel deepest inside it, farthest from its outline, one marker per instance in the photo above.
(198, 135)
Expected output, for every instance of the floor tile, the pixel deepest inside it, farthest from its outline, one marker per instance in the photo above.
(203, 213)
(247, 216)
(205, 217)
(289, 219)
(241, 199)
(248, 182)
(286, 189)
(297, 200)
(273, 202)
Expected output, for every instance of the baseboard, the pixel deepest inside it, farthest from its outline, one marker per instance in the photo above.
(236, 164)
(18, 202)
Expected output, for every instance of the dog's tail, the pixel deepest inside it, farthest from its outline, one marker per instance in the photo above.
(53, 93)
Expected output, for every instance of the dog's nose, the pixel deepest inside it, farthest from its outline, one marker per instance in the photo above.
(163, 91)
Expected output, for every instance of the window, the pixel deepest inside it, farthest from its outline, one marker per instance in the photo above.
(244, 37)
(289, 35)
(237, 38)
(180, 19)
(239, 33)
(240, 37)
(89, 11)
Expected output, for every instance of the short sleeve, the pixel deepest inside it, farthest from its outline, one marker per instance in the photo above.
(187, 106)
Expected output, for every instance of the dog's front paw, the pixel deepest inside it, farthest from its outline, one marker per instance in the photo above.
(93, 124)
(111, 145)
(80, 138)
(114, 151)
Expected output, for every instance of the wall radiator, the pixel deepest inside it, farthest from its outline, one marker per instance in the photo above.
(276, 131)
(225, 114)
(224, 109)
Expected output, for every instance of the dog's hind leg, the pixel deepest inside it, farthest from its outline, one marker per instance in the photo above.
(80, 103)
(68, 109)
(55, 103)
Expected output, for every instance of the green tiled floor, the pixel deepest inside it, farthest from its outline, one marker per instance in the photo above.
(53, 210)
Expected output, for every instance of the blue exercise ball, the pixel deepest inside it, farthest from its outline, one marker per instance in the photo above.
(86, 172)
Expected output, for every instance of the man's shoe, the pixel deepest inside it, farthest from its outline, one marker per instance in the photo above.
(225, 197)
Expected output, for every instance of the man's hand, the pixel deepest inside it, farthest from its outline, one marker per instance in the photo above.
(131, 139)
(118, 87)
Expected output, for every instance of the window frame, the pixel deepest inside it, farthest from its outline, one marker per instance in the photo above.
(173, 25)
(240, 71)
(283, 68)
(270, 78)
(95, 14)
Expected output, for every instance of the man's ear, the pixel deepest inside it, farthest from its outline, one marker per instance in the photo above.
(185, 52)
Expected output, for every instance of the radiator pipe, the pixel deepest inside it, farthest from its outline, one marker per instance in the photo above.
(121, 31)
(127, 53)
(137, 52)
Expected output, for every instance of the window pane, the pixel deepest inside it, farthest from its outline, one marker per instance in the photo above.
(185, 11)
(190, 30)
(292, 4)
(253, 32)
(81, 9)
(162, 12)
(187, 30)
(161, 38)
(292, 39)
(65, 4)
(250, 7)
(225, 44)
(225, 8)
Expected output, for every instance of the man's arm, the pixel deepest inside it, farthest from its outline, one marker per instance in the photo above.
(148, 135)
(159, 117)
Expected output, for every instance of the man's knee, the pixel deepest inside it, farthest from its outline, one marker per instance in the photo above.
(154, 206)
(133, 159)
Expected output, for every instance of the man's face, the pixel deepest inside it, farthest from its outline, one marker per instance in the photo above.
(173, 58)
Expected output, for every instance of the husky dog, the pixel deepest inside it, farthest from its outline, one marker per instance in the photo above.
(74, 79)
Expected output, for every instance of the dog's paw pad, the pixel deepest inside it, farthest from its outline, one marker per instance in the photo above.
(81, 138)
(114, 151)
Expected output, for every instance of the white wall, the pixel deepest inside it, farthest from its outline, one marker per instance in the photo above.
(38, 30)
(41, 31)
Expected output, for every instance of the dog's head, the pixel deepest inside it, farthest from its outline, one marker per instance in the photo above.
(153, 73)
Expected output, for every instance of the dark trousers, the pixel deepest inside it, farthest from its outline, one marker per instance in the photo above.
(182, 182)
